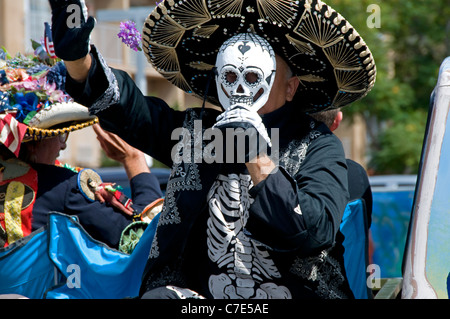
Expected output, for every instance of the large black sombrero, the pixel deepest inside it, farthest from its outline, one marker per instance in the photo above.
(335, 67)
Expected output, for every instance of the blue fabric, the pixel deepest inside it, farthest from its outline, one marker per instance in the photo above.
(25, 267)
(354, 228)
(103, 273)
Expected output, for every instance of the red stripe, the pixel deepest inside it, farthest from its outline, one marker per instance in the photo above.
(50, 48)
(5, 126)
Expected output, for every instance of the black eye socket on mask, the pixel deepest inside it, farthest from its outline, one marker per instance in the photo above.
(231, 77)
(252, 78)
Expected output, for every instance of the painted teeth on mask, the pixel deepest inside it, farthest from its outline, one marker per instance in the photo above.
(248, 100)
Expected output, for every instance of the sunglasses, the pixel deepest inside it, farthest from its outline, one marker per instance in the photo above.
(63, 137)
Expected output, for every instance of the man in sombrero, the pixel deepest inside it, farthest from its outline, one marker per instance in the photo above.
(264, 224)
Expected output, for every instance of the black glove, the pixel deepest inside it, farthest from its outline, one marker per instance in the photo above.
(246, 125)
(71, 29)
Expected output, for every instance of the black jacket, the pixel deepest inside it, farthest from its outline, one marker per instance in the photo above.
(58, 191)
(218, 235)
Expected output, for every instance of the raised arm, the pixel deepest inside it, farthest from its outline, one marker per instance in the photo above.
(132, 159)
(71, 31)
(145, 187)
(79, 69)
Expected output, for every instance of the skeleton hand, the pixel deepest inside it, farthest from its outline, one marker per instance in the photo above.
(71, 29)
(244, 117)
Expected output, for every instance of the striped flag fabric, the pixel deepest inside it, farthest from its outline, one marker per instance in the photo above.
(11, 132)
(48, 41)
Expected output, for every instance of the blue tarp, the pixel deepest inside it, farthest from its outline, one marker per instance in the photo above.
(93, 270)
(25, 267)
(86, 268)
(354, 228)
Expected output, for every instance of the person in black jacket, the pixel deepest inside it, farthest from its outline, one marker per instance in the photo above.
(358, 181)
(265, 226)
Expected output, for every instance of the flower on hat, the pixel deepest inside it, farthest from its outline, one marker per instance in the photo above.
(30, 84)
(130, 35)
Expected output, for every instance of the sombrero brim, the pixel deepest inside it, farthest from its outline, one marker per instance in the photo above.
(333, 63)
(35, 134)
(58, 119)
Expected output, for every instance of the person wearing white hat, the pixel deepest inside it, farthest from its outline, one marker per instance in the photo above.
(36, 117)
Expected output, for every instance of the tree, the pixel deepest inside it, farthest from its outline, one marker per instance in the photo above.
(408, 44)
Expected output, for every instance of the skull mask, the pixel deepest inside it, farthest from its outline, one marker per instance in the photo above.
(245, 71)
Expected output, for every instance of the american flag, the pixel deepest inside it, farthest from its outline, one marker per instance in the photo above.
(48, 41)
(11, 132)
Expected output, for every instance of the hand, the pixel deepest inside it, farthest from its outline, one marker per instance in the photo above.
(71, 29)
(117, 149)
(114, 147)
(244, 117)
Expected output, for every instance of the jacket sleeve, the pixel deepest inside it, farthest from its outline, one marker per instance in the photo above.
(144, 122)
(145, 189)
(302, 212)
(100, 220)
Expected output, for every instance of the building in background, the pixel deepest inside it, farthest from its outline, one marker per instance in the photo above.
(23, 20)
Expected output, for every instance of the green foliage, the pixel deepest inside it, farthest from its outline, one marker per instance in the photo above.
(411, 43)
(400, 145)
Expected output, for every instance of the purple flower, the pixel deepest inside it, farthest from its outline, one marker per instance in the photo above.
(130, 35)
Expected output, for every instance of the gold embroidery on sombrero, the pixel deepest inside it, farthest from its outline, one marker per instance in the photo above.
(341, 58)
(178, 79)
(313, 27)
(170, 33)
(225, 8)
(310, 78)
(164, 58)
(352, 82)
(278, 12)
(344, 98)
(205, 31)
(302, 47)
(199, 65)
(191, 14)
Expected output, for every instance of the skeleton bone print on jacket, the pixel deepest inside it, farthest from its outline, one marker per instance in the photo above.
(249, 267)
(247, 263)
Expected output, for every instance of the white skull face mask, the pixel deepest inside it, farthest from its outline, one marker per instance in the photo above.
(245, 71)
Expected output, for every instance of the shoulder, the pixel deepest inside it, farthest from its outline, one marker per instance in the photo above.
(55, 180)
(319, 137)
(355, 167)
(53, 171)
(357, 175)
